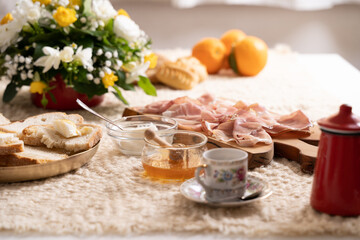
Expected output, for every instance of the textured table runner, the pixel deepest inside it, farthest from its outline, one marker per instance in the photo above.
(109, 195)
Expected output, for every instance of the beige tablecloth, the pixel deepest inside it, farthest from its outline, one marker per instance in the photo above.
(110, 196)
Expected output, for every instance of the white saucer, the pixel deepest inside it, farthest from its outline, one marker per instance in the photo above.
(193, 191)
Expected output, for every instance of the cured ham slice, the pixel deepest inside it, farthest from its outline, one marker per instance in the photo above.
(206, 99)
(157, 107)
(296, 121)
(188, 111)
(247, 134)
(227, 120)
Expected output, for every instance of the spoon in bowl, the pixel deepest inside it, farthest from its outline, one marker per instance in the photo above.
(174, 155)
(84, 106)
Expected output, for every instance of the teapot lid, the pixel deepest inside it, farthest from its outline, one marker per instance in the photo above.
(343, 122)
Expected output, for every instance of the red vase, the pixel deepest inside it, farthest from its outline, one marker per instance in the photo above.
(65, 97)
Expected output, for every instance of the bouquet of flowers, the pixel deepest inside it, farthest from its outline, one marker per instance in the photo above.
(93, 47)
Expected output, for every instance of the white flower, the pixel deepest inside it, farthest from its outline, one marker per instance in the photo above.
(21, 59)
(99, 52)
(9, 33)
(30, 74)
(28, 60)
(52, 59)
(136, 72)
(103, 9)
(23, 75)
(27, 10)
(115, 54)
(118, 64)
(107, 70)
(108, 54)
(89, 76)
(84, 56)
(97, 80)
(33, 14)
(126, 28)
(66, 55)
(63, 3)
(107, 63)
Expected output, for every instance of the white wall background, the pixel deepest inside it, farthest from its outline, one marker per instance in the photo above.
(335, 30)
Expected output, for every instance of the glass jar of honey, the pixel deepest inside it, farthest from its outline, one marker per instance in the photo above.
(177, 162)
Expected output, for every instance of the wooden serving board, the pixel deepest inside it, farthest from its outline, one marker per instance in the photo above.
(302, 149)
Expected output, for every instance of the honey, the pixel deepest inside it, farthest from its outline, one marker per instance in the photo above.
(160, 166)
(175, 173)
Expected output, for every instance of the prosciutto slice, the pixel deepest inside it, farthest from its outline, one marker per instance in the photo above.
(296, 121)
(227, 120)
(157, 107)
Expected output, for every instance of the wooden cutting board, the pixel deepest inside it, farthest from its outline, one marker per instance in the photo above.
(302, 149)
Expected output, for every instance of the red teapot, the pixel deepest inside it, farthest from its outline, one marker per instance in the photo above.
(336, 185)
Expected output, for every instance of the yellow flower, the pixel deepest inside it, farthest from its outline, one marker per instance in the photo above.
(45, 2)
(123, 12)
(65, 16)
(152, 58)
(109, 79)
(7, 18)
(37, 87)
(73, 3)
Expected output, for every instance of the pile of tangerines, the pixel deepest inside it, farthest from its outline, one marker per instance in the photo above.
(246, 55)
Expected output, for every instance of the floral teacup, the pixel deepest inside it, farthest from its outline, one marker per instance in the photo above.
(225, 173)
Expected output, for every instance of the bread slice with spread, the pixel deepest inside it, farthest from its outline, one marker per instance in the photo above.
(9, 143)
(42, 119)
(63, 134)
(45, 138)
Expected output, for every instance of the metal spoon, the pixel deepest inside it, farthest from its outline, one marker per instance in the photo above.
(247, 196)
(84, 106)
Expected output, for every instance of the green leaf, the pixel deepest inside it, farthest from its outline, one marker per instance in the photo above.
(46, 37)
(146, 85)
(77, 32)
(119, 95)
(10, 92)
(109, 26)
(53, 99)
(39, 50)
(85, 42)
(122, 81)
(90, 89)
(232, 62)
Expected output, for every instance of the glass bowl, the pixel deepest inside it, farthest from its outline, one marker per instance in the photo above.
(131, 139)
(178, 162)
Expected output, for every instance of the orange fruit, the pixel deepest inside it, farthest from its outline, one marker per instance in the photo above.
(211, 53)
(230, 37)
(249, 56)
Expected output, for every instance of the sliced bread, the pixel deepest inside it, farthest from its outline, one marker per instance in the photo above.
(10, 144)
(32, 155)
(40, 135)
(42, 119)
(3, 120)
